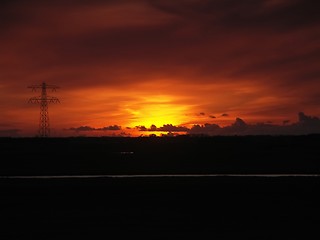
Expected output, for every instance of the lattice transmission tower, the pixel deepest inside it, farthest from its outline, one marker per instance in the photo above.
(44, 100)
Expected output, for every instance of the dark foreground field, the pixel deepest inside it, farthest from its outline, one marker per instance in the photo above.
(161, 208)
(180, 155)
(216, 207)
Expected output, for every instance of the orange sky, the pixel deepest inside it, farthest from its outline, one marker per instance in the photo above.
(144, 62)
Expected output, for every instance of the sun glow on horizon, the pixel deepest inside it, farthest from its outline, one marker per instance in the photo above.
(158, 111)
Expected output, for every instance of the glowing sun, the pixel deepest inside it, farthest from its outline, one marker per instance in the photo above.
(157, 111)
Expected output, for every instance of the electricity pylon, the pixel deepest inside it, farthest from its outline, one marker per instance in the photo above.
(44, 100)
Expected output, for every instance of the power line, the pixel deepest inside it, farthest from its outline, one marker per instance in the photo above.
(44, 100)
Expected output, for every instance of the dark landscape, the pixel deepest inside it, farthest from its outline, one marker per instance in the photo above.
(161, 155)
(256, 202)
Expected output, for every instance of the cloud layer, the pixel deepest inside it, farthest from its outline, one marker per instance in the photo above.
(304, 126)
(115, 59)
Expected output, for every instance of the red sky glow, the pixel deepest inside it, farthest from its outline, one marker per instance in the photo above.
(183, 63)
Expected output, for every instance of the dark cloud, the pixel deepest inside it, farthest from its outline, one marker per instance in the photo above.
(82, 128)
(225, 115)
(211, 116)
(305, 125)
(114, 127)
(88, 128)
(208, 129)
(141, 128)
(200, 114)
(171, 128)
(239, 124)
(112, 37)
(305, 120)
(164, 128)
(246, 14)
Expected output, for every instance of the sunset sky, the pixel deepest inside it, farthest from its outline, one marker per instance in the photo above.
(131, 63)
